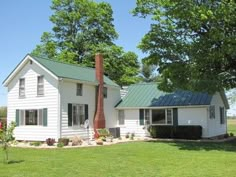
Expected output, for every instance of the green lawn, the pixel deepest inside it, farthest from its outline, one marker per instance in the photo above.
(131, 159)
(232, 126)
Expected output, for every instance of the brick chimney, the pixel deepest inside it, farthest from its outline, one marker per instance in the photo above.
(99, 119)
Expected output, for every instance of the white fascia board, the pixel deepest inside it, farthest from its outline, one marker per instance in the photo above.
(165, 107)
(40, 65)
(21, 65)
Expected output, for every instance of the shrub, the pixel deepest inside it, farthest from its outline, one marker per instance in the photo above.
(127, 135)
(103, 132)
(231, 134)
(226, 135)
(178, 132)
(65, 141)
(60, 145)
(6, 137)
(35, 143)
(50, 141)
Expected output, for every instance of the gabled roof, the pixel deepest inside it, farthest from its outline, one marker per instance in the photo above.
(67, 71)
(147, 95)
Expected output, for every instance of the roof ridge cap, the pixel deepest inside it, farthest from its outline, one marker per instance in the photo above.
(71, 64)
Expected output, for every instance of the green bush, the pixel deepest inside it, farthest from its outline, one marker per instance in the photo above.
(65, 141)
(178, 132)
(35, 143)
(103, 132)
(60, 145)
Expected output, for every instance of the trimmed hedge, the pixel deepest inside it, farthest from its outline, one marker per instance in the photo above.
(179, 132)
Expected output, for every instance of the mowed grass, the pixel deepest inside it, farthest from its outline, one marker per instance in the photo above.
(232, 126)
(147, 159)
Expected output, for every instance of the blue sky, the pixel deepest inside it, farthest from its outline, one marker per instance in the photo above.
(23, 22)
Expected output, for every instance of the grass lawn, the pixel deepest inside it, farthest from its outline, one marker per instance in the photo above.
(232, 126)
(131, 159)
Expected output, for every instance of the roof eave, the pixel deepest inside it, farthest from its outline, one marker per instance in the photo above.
(22, 63)
(154, 107)
(15, 71)
(225, 100)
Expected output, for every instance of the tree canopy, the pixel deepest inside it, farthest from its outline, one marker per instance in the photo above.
(193, 42)
(148, 73)
(81, 28)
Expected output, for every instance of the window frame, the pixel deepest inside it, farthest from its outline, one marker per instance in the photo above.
(212, 112)
(79, 89)
(166, 116)
(78, 114)
(40, 86)
(222, 115)
(147, 116)
(121, 120)
(22, 88)
(23, 113)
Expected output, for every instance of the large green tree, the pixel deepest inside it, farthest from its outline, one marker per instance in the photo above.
(192, 41)
(81, 28)
(148, 73)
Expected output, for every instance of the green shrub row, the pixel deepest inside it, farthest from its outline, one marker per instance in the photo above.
(179, 132)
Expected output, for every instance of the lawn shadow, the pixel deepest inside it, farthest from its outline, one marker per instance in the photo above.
(207, 146)
(15, 161)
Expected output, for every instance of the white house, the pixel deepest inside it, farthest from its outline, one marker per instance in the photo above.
(145, 105)
(50, 99)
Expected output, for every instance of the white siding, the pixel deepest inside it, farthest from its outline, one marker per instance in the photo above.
(32, 101)
(194, 116)
(68, 95)
(214, 125)
(113, 97)
(132, 123)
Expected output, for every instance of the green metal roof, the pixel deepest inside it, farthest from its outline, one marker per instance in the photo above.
(147, 95)
(72, 71)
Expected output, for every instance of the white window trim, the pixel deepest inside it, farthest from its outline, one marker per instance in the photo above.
(118, 122)
(40, 84)
(24, 114)
(81, 89)
(165, 116)
(80, 126)
(21, 96)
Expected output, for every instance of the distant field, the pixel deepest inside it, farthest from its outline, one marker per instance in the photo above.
(232, 126)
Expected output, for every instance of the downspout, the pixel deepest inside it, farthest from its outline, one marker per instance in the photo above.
(59, 121)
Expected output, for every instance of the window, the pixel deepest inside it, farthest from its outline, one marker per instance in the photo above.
(105, 92)
(33, 117)
(212, 112)
(121, 117)
(162, 116)
(40, 87)
(79, 89)
(169, 116)
(222, 115)
(78, 115)
(22, 87)
(147, 116)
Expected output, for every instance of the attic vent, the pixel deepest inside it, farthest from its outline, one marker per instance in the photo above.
(31, 62)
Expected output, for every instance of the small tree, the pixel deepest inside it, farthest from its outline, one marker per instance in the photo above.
(6, 136)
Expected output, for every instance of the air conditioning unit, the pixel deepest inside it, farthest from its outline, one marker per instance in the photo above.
(115, 132)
